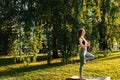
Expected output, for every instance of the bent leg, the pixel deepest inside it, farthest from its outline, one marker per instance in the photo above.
(89, 56)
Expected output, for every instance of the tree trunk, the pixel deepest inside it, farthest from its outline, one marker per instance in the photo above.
(55, 39)
(103, 28)
(55, 48)
(6, 44)
(102, 33)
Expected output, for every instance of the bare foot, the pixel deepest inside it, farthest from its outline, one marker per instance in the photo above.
(81, 78)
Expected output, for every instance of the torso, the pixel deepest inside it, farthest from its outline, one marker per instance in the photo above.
(84, 42)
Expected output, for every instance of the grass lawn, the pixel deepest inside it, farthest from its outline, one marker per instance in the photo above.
(40, 70)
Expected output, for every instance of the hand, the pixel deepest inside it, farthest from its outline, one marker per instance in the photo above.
(88, 43)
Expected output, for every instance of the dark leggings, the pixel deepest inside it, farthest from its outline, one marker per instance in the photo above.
(84, 55)
(82, 59)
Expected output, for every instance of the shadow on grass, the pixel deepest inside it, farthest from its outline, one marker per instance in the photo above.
(10, 61)
(15, 72)
(6, 61)
(101, 58)
(110, 58)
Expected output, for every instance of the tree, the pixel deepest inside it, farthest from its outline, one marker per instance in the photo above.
(23, 22)
(108, 24)
(20, 26)
(100, 20)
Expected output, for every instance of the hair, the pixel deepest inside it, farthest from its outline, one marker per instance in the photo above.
(80, 34)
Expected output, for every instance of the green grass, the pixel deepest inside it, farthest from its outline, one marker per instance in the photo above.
(40, 70)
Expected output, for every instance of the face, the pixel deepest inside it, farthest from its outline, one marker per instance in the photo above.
(83, 32)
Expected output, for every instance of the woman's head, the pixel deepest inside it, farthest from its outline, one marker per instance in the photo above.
(81, 32)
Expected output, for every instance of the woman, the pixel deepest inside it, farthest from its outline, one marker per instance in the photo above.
(83, 43)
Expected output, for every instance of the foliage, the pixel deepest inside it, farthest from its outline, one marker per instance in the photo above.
(24, 33)
(23, 22)
(99, 20)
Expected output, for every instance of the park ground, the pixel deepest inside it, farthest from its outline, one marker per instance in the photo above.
(40, 70)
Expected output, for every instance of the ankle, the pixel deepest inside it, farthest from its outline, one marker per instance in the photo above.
(81, 76)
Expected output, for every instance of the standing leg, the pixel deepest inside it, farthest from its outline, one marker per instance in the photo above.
(82, 61)
(81, 69)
